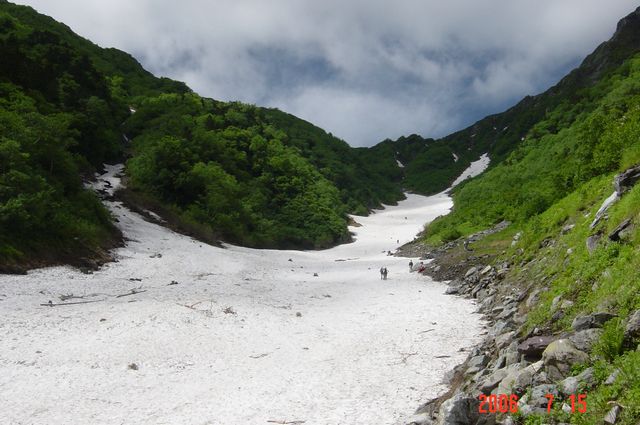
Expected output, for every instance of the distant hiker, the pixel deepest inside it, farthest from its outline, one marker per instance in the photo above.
(388, 252)
(398, 241)
(381, 273)
(410, 265)
(421, 267)
(384, 273)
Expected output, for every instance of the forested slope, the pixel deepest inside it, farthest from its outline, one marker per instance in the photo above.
(246, 174)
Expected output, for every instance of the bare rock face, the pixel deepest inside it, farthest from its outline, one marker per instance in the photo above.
(627, 179)
(559, 356)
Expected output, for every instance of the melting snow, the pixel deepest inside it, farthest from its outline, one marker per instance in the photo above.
(474, 169)
(245, 336)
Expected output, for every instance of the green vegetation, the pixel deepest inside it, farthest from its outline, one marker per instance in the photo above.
(250, 175)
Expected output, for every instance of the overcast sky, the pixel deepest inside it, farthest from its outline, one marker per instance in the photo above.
(364, 70)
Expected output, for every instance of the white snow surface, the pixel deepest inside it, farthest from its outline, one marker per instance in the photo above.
(362, 350)
(475, 168)
(400, 164)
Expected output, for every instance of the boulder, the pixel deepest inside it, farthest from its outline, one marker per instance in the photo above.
(612, 415)
(569, 385)
(471, 271)
(559, 356)
(592, 242)
(504, 340)
(632, 330)
(476, 363)
(595, 320)
(584, 340)
(626, 180)
(615, 234)
(461, 409)
(534, 346)
(492, 381)
(524, 379)
(537, 397)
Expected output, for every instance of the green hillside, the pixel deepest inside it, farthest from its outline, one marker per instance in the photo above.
(249, 175)
(551, 187)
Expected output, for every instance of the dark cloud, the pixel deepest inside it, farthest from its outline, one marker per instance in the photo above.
(363, 70)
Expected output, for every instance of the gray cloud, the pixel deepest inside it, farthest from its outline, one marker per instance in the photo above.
(363, 70)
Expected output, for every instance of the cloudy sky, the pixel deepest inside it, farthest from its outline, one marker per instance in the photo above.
(364, 70)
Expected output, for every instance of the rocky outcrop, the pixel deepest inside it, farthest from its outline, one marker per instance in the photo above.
(626, 180)
(595, 320)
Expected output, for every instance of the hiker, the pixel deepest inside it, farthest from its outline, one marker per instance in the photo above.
(389, 253)
(422, 267)
(410, 265)
(381, 273)
(384, 273)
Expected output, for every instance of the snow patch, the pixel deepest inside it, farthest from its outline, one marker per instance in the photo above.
(233, 335)
(455, 157)
(400, 164)
(475, 168)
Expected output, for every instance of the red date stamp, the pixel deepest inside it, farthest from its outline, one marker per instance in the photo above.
(508, 403)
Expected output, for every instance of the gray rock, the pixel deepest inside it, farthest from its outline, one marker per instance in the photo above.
(584, 340)
(567, 228)
(592, 242)
(632, 330)
(566, 304)
(612, 415)
(461, 409)
(471, 271)
(420, 419)
(612, 378)
(559, 356)
(524, 379)
(504, 340)
(595, 320)
(534, 346)
(486, 270)
(538, 399)
(452, 290)
(626, 180)
(570, 385)
(533, 298)
(587, 377)
(476, 363)
(615, 235)
(492, 381)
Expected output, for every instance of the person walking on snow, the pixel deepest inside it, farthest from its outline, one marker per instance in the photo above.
(381, 273)
(410, 265)
(384, 273)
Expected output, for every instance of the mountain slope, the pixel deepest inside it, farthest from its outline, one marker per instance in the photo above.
(499, 134)
(256, 176)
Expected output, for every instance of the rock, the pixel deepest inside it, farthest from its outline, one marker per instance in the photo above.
(559, 356)
(534, 346)
(504, 339)
(566, 304)
(486, 270)
(632, 330)
(585, 339)
(611, 379)
(533, 298)
(615, 234)
(569, 385)
(524, 379)
(537, 397)
(476, 363)
(595, 320)
(492, 381)
(461, 409)
(592, 242)
(556, 300)
(612, 415)
(626, 180)
(471, 271)
(567, 228)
